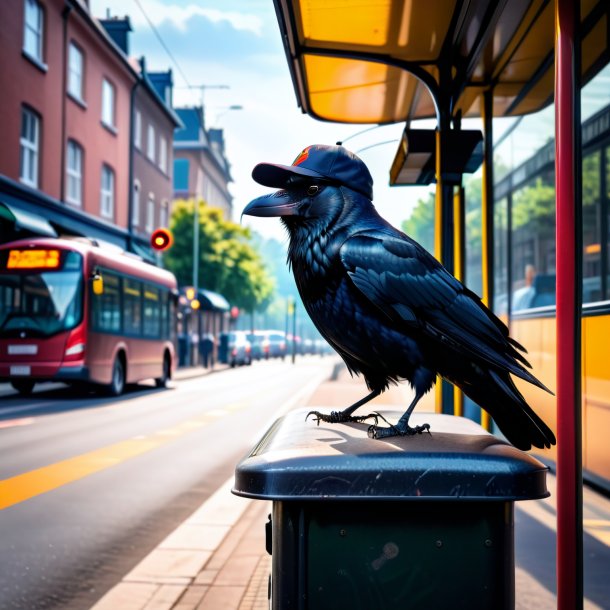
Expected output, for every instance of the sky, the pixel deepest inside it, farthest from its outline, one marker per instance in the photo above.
(233, 48)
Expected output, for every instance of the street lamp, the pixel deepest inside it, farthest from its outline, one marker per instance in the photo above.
(202, 89)
(227, 109)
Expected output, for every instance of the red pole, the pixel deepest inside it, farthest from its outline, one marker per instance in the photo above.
(569, 467)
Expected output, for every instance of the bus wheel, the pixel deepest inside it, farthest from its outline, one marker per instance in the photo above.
(161, 382)
(23, 386)
(117, 385)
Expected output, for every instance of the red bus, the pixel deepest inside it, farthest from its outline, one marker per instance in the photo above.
(73, 312)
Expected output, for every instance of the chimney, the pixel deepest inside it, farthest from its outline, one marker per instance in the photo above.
(163, 82)
(118, 29)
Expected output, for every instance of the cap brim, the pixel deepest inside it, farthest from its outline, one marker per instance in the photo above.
(277, 176)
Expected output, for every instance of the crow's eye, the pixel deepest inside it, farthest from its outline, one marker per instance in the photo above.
(313, 190)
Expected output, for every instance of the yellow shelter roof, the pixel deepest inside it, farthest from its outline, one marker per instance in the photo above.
(376, 61)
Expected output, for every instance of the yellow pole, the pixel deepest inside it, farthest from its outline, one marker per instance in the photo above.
(486, 192)
(438, 247)
(458, 262)
(438, 203)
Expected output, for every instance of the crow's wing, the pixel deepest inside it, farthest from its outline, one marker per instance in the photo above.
(411, 287)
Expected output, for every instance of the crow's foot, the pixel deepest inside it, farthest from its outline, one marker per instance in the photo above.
(376, 432)
(339, 417)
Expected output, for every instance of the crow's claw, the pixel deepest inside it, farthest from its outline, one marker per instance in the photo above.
(375, 432)
(339, 417)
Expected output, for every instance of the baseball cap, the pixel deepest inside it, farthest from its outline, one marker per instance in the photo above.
(334, 163)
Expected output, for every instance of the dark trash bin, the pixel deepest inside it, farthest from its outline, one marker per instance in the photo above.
(423, 522)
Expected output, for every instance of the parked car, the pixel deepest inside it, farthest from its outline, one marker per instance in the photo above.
(235, 349)
(256, 341)
(274, 343)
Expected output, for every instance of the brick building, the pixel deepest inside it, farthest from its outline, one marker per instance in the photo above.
(69, 97)
(153, 127)
(201, 170)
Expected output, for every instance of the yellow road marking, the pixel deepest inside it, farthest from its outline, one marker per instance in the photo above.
(30, 484)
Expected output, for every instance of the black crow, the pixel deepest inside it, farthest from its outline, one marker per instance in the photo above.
(388, 307)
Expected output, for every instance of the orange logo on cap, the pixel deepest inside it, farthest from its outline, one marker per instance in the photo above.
(302, 156)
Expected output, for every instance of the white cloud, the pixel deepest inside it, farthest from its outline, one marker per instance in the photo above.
(179, 14)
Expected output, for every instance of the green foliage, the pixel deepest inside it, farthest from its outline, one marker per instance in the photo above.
(228, 262)
(420, 225)
(534, 207)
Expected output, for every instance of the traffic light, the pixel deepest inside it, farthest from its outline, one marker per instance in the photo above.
(190, 293)
(161, 239)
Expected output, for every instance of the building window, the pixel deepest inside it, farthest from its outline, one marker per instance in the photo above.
(135, 209)
(108, 103)
(150, 214)
(33, 29)
(150, 143)
(75, 72)
(107, 193)
(164, 214)
(29, 145)
(74, 171)
(181, 175)
(163, 154)
(137, 130)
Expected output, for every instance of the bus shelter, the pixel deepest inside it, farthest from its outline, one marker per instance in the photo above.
(449, 60)
(202, 316)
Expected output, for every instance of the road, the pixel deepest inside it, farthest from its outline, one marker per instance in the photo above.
(89, 485)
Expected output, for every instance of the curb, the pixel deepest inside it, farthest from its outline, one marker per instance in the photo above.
(167, 571)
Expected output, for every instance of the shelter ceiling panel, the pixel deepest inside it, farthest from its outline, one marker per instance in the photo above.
(387, 27)
(356, 91)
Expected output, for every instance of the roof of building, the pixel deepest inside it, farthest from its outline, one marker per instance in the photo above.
(194, 136)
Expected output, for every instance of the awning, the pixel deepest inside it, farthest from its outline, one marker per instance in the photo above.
(144, 250)
(25, 220)
(212, 301)
(378, 62)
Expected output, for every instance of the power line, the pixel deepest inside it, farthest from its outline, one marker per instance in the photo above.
(154, 29)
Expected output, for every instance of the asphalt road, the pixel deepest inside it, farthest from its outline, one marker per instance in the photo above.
(89, 485)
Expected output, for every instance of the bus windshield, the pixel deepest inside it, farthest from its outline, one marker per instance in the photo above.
(42, 304)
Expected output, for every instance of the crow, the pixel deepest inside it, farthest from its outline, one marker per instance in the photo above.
(387, 306)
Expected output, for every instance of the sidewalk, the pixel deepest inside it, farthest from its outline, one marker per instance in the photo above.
(216, 560)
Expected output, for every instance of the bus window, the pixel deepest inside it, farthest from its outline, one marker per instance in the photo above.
(107, 306)
(132, 307)
(591, 228)
(42, 304)
(152, 312)
(533, 241)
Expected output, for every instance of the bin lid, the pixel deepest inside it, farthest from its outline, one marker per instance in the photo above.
(458, 460)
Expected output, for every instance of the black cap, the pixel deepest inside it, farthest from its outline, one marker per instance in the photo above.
(333, 163)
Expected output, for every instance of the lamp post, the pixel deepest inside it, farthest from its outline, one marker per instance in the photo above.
(227, 109)
(202, 89)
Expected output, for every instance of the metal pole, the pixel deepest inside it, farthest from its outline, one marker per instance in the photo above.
(196, 313)
(487, 216)
(569, 301)
(459, 220)
(196, 247)
(443, 232)
(294, 330)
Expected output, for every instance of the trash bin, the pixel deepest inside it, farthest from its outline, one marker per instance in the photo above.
(422, 522)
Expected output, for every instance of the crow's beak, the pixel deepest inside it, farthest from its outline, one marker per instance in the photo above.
(275, 204)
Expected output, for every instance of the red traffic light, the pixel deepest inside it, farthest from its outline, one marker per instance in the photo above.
(161, 239)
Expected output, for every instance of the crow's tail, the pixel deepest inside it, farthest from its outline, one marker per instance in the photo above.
(497, 394)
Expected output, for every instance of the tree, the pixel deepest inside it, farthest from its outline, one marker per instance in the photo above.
(228, 262)
(420, 225)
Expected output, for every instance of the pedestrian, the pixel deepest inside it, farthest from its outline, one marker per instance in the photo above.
(206, 347)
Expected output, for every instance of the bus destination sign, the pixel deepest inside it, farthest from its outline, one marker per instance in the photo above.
(33, 259)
